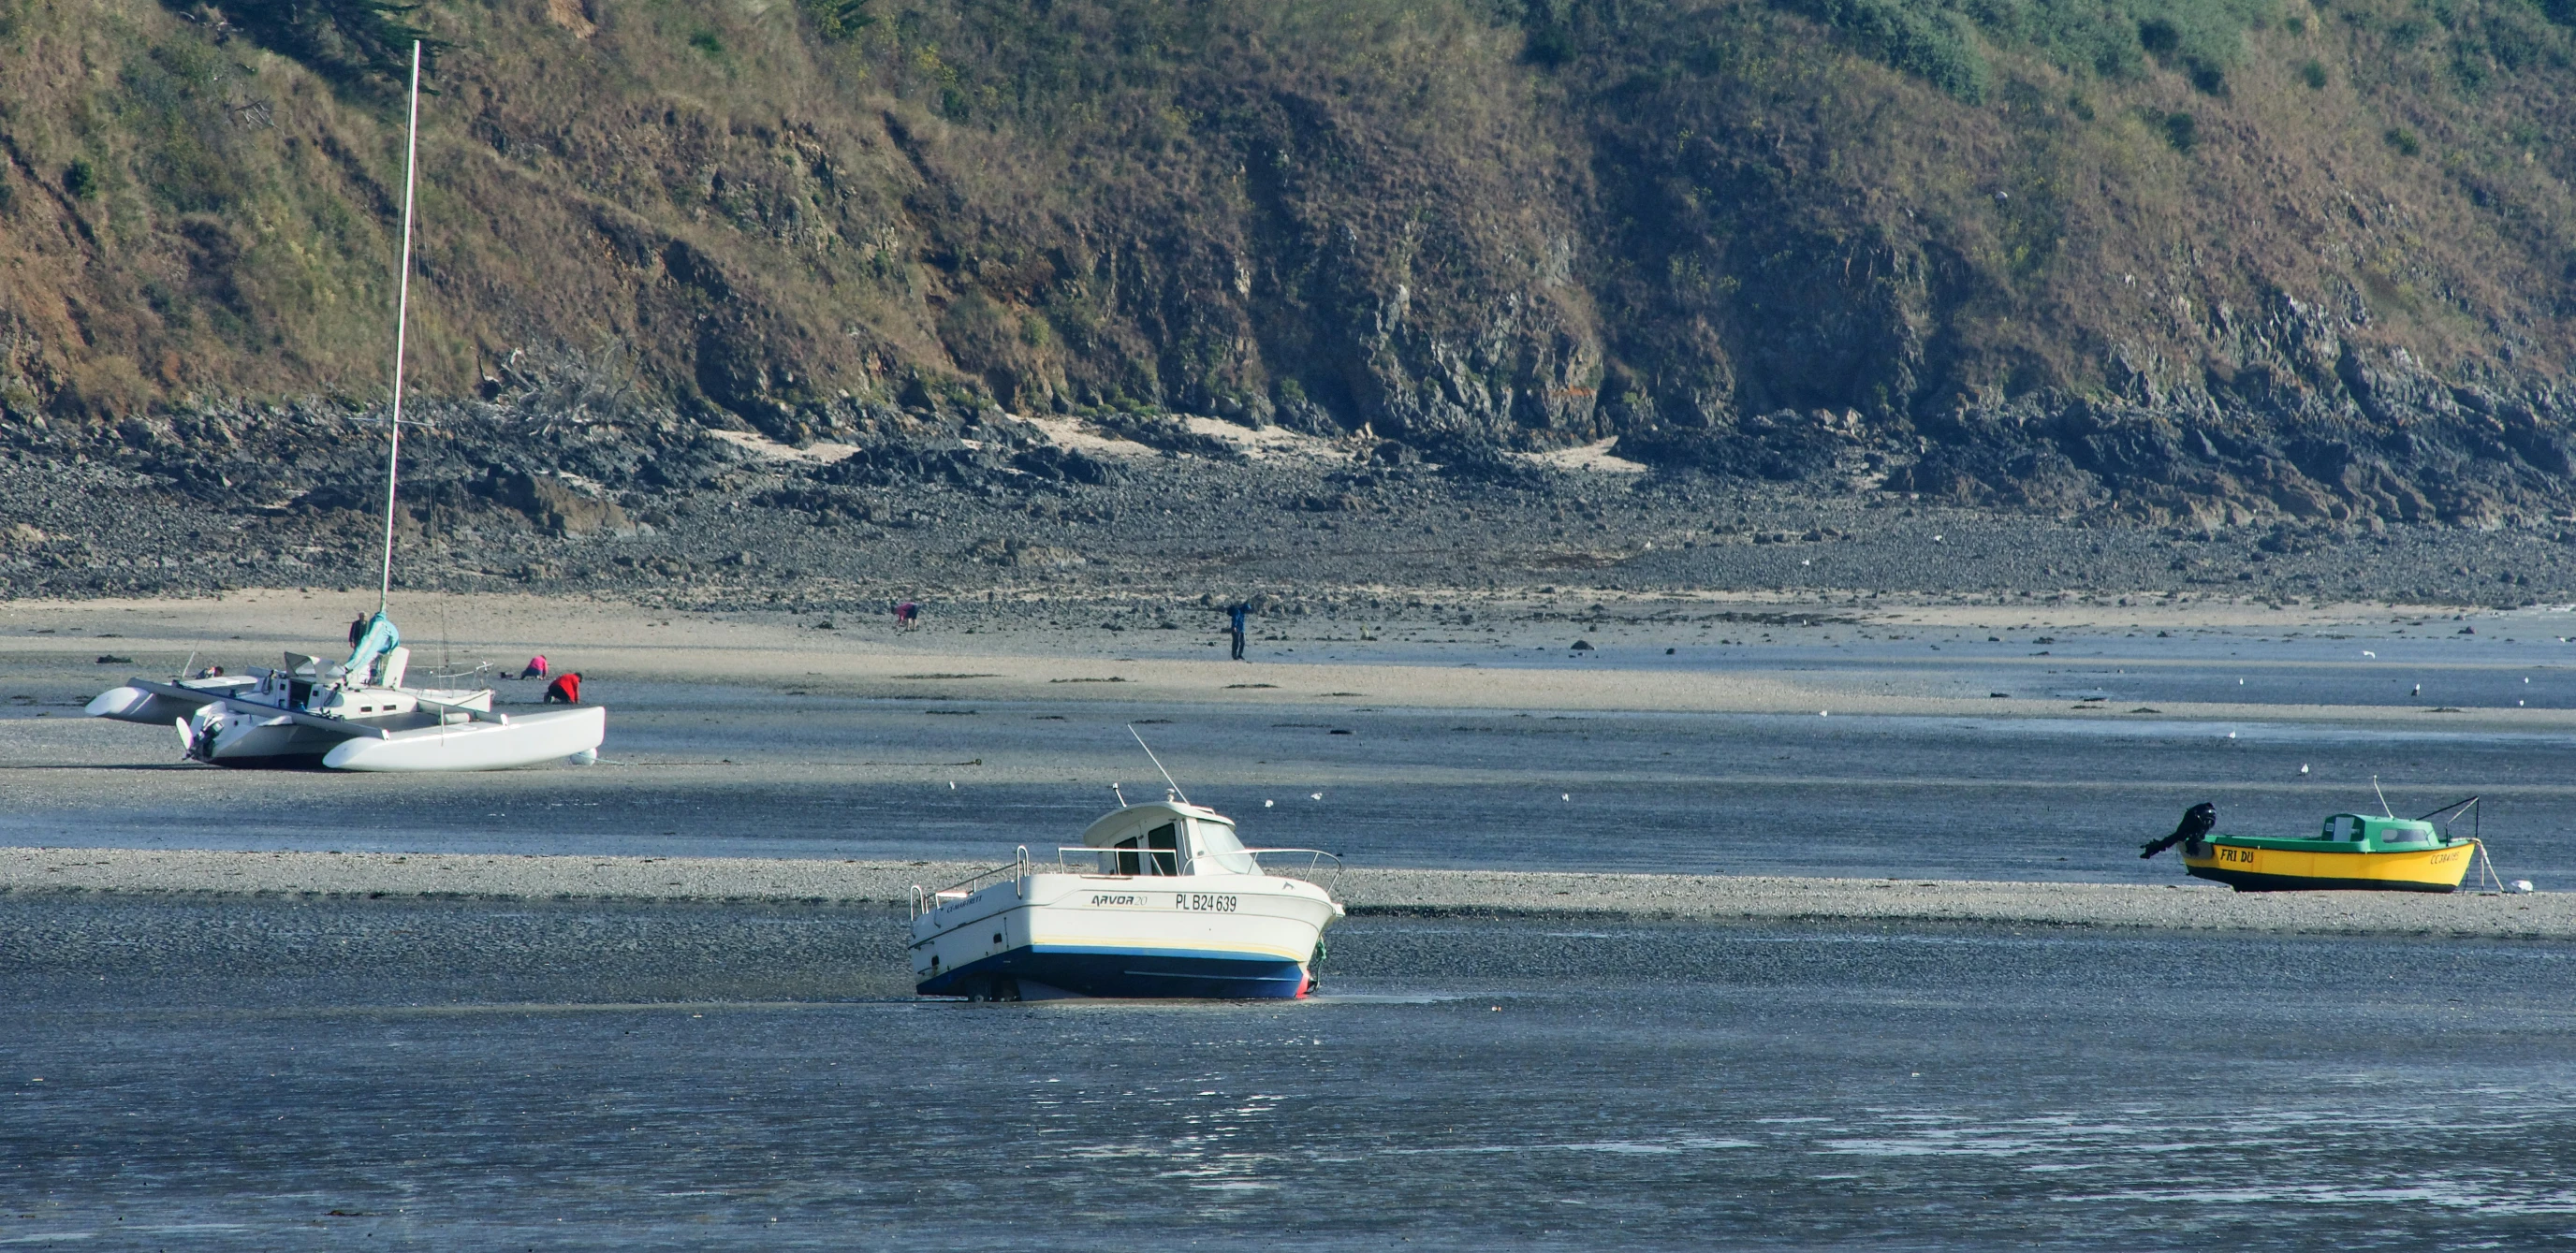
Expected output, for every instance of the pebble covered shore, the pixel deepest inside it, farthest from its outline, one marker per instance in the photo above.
(1698, 898)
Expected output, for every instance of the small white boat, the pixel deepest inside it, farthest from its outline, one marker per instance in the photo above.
(1159, 900)
(357, 715)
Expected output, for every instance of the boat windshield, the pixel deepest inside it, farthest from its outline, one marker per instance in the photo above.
(1223, 852)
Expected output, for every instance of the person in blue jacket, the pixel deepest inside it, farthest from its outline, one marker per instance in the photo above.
(1235, 614)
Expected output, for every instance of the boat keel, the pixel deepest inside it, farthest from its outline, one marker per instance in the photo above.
(2248, 881)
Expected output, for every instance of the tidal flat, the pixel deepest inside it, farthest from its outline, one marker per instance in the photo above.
(1794, 935)
(1917, 741)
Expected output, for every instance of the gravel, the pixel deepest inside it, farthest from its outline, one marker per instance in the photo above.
(1698, 898)
(672, 515)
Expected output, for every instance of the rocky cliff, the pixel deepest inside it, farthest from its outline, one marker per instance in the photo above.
(2204, 261)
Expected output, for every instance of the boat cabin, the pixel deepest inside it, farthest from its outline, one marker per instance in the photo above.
(1165, 838)
(310, 685)
(2369, 832)
(289, 688)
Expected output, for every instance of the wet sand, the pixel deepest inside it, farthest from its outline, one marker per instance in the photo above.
(1449, 740)
(1033, 649)
(1691, 898)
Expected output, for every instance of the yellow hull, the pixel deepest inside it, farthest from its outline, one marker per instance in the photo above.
(2257, 869)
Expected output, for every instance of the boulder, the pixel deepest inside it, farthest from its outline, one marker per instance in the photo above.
(558, 506)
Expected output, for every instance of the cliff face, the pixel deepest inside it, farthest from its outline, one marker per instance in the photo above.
(2209, 262)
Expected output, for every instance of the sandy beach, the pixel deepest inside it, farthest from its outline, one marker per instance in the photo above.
(127, 873)
(1031, 649)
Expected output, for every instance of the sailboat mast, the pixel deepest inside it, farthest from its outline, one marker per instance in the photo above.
(402, 315)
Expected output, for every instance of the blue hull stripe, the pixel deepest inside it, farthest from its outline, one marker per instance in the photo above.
(1126, 973)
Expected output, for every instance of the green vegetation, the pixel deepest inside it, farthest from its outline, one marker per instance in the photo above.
(1553, 218)
(2182, 130)
(1946, 42)
(838, 19)
(1931, 40)
(349, 41)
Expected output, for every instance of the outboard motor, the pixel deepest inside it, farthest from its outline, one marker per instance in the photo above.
(200, 729)
(2196, 822)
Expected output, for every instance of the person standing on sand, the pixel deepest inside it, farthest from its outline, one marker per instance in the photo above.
(906, 616)
(1234, 616)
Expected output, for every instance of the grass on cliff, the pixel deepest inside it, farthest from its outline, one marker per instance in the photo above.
(1946, 42)
(1736, 204)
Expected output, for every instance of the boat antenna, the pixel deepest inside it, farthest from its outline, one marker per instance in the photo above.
(2383, 797)
(1158, 765)
(402, 314)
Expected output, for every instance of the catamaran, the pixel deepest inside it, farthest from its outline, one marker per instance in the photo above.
(357, 714)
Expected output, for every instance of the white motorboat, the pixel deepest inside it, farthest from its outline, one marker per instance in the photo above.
(1159, 900)
(357, 715)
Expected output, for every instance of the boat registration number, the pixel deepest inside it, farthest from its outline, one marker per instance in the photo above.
(1202, 902)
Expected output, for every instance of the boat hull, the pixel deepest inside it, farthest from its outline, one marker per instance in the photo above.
(1040, 973)
(225, 722)
(1236, 937)
(281, 744)
(525, 740)
(2259, 869)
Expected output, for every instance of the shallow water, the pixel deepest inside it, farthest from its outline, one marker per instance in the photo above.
(2003, 798)
(580, 1077)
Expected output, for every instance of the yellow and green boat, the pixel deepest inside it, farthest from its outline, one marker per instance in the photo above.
(2352, 852)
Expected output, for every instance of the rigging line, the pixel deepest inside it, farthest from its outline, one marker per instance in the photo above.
(2486, 868)
(2447, 808)
(1158, 765)
(402, 315)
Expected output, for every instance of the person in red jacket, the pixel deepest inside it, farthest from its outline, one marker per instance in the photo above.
(565, 690)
